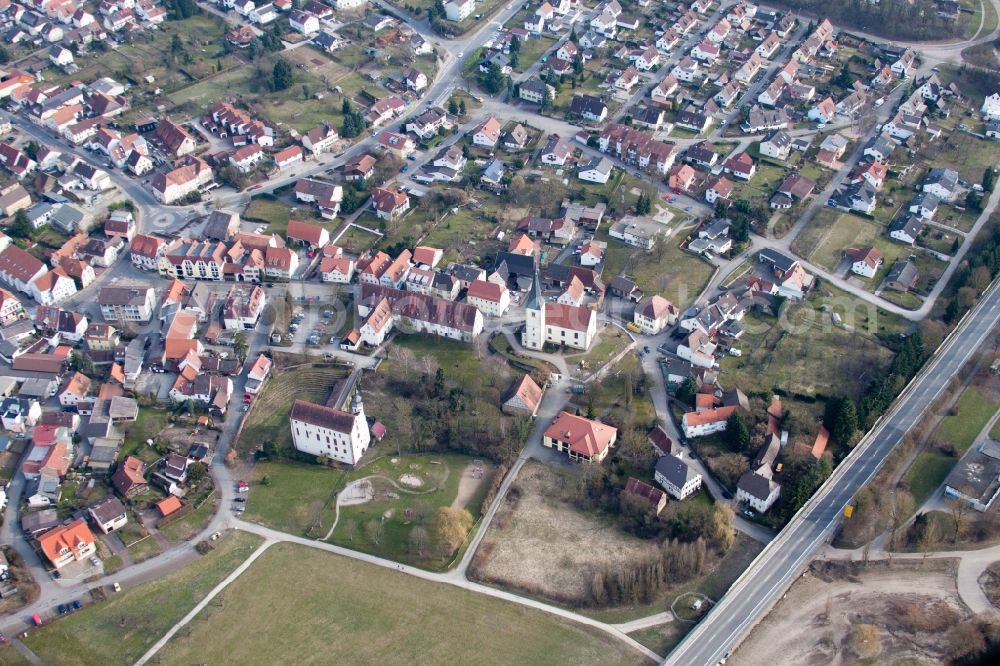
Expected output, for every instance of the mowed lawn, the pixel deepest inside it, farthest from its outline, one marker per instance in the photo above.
(298, 498)
(927, 472)
(975, 408)
(120, 630)
(303, 606)
(831, 232)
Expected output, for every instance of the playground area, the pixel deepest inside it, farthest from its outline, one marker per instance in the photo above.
(390, 510)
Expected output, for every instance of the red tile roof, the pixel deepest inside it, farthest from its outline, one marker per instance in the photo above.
(583, 436)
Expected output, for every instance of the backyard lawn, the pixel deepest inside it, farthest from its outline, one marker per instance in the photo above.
(667, 270)
(366, 614)
(121, 629)
(356, 240)
(275, 214)
(149, 422)
(186, 527)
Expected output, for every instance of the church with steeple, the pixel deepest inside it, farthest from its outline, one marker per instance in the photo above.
(555, 323)
(325, 431)
(533, 336)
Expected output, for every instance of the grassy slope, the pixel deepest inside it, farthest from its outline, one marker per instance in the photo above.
(364, 614)
(122, 629)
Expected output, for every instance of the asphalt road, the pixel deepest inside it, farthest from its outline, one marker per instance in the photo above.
(760, 587)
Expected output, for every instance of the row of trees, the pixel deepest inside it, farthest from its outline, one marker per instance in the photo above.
(641, 582)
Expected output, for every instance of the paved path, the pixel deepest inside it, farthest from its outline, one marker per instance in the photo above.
(645, 622)
(273, 536)
(971, 566)
(204, 602)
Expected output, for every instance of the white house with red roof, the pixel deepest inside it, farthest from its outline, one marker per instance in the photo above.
(583, 440)
(493, 300)
(741, 166)
(487, 134)
(335, 434)
(653, 314)
(389, 204)
(864, 261)
(288, 157)
(310, 235)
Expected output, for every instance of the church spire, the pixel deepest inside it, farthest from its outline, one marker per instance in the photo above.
(535, 300)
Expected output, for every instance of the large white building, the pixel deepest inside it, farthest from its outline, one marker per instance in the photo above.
(556, 323)
(459, 10)
(325, 431)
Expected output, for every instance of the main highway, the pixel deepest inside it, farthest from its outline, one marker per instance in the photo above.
(774, 570)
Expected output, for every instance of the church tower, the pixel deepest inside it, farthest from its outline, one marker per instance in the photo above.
(360, 435)
(533, 336)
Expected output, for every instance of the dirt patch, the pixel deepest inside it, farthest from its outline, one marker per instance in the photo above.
(990, 582)
(474, 476)
(541, 544)
(836, 615)
(411, 481)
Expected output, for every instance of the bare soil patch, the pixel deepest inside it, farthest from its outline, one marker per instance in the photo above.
(473, 477)
(541, 544)
(990, 582)
(824, 618)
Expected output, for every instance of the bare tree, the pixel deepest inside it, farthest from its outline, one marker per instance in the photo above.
(959, 510)
(350, 529)
(404, 358)
(374, 531)
(900, 511)
(419, 541)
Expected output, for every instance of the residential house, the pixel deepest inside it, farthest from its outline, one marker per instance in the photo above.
(678, 478)
(865, 261)
(68, 543)
(583, 440)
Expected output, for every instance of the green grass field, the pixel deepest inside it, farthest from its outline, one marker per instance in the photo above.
(674, 274)
(441, 475)
(120, 630)
(186, 527)
(287, 108)
(365, 614)
(357, 240)
(612, 341)
(928, 471)
(964, 153)
(975, 409)
(831, 232)
(811, 357)
(297, 496)
(149, 422)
